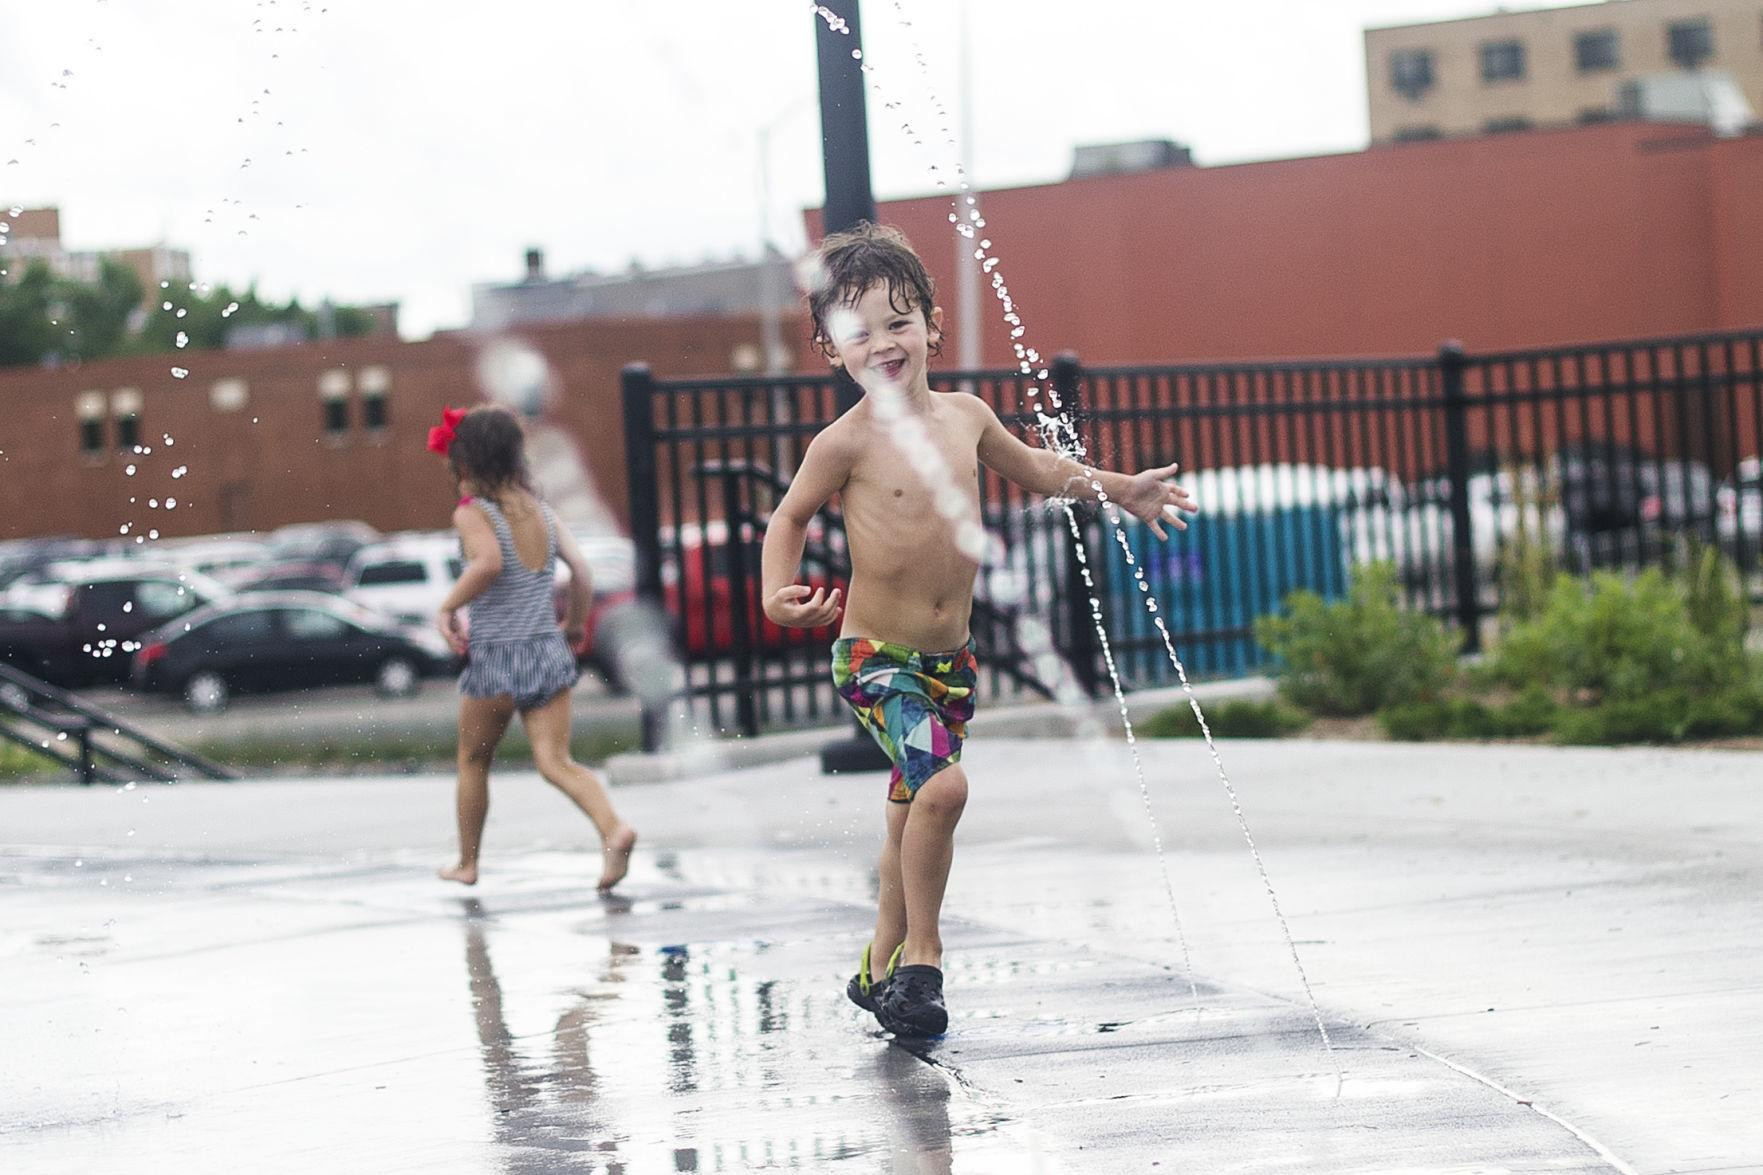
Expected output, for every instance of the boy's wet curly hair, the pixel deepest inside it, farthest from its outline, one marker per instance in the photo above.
(489, 447)
(848, 263)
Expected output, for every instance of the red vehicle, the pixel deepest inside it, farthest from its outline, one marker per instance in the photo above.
(698, 590)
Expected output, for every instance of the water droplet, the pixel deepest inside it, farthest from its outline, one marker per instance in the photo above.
(129, 470)
(180, 372)
(183, 340)
(165, 305)
(180, 471)
(171, 503)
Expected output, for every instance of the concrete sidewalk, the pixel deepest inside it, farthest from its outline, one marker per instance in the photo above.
(1529, 959)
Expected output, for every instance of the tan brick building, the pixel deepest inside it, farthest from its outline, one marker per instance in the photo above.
(1553, 66)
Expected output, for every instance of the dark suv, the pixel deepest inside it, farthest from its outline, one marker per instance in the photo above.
(77, 624)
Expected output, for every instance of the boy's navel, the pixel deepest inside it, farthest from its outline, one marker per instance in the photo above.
(899, 493)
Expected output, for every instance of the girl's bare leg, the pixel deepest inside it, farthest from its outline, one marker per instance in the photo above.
(890, 906)
(482, 722)
(927, 847)
(547, 728)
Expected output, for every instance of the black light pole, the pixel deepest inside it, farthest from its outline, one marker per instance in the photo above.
(844, 153)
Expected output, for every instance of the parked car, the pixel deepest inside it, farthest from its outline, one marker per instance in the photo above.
(406, 577)
(1739, 511)
(698, 588)
(222, 556)
(1624, 504)
(293, 577)
(321, 542)
(75, 624)
(278, 641)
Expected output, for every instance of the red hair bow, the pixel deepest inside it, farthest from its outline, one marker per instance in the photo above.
(441, 436)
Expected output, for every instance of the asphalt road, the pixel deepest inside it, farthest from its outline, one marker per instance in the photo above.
(1528, 959)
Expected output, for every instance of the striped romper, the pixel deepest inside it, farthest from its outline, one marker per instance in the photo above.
(514, 645)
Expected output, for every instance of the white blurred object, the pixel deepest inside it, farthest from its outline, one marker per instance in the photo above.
(1709, 96)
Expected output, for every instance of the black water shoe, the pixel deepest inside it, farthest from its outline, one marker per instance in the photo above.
(865, 991)
(912, 1002)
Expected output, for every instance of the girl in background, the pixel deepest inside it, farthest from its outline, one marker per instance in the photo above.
(518, 659)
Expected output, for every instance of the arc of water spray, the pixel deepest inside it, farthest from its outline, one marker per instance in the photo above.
(1059, 433)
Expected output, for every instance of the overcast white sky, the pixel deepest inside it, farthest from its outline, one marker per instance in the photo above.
(403, 149)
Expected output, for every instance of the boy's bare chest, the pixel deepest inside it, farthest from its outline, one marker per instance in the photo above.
(905, 482)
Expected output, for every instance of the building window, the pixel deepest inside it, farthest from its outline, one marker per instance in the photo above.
(1418, 134)
(333, 394)
(1500, 126)
(374, 384)
(1411, 72)
(1690, 42)
(1597, 50)
(1502, 61)
(125, 408)
(1593, 114)
(90, 408)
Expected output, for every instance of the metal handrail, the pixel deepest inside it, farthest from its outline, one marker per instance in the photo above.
(49, 707)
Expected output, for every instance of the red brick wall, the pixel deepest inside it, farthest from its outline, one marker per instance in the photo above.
(1606, 232)
(271, 462)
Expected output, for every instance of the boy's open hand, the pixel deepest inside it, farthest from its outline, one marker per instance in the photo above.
(1154, 501)
(794, 606)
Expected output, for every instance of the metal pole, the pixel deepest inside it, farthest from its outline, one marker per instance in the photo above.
(844, 153)
(844, 141)
(966, 264)
(638, 388)
(1452, 363)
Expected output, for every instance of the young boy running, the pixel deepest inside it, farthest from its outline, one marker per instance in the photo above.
(904, 661)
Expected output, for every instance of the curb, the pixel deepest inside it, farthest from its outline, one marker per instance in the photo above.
(1028, 720)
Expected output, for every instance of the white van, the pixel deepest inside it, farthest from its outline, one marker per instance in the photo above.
(405, 577)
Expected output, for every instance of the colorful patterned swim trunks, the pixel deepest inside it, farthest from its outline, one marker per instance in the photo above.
(916, 705)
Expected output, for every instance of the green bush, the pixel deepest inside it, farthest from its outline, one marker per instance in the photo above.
(1615, 640)
(1239, 718)
(1359, 654)
(1532, 712)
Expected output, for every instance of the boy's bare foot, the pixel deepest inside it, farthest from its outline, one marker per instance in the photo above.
(617, 852)
(463, 874)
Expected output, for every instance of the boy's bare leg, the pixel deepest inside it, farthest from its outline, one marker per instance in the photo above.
(547, 728)
(890, 906)
(926, 849)
(482, 722)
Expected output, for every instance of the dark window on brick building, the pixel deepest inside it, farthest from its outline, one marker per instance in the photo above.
(128, 432)
(1597, 50)
(92, 436)
(1690, 42)
(336, 416)
(1411, 73)
(374, 413)
(1418, 134)
(1500, 126)
(1502, 61)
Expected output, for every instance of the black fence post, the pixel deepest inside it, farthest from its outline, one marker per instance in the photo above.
(1452, 364)
(637, 383)
(1083, 649)
(742, 638)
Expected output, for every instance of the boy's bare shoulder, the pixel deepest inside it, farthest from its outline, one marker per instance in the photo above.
(970, 406)
(841, 440)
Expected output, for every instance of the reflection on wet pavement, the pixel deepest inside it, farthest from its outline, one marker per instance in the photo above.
(280, 1016)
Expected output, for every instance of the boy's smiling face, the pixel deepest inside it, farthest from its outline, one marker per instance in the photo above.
(879, 343)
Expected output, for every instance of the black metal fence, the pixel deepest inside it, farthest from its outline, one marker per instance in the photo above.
(1612, 455)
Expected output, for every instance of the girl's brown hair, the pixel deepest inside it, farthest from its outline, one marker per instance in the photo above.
(489, 447)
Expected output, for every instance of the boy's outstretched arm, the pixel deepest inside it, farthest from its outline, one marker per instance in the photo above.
(825, 468)
(1145, 495)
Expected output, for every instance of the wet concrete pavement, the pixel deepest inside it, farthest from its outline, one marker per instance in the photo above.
(1528, 959)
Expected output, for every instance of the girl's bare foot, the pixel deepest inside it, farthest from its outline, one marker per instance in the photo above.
(617, 852)
(463, 874)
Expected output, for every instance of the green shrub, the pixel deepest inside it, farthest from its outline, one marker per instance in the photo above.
(1532, 712)
(1359, 654)
(1238, 718)
(1611, 639)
